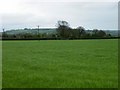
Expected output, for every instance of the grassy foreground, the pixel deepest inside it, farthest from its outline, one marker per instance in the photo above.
(60, 64)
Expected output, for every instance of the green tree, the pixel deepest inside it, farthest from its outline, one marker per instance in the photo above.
(81, 31)
(98, 33)
(63, 29)
(101, 33)
(95, 33)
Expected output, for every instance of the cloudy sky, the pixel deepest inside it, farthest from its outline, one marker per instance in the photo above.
(30, 13)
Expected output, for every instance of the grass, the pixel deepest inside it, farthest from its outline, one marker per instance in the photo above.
(60, 64)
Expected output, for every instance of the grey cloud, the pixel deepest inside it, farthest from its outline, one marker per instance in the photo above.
(87, 14)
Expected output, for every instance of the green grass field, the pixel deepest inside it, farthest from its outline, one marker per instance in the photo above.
(60, 64)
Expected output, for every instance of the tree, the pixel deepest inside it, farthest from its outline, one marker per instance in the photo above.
(98, 33)
(101, 34)
(63, 29)
(108, 35)
(62, 23)
(95, 32)
(81, 31)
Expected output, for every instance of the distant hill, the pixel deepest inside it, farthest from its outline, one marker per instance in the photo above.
(52, 30)
(112, 32)
(32, 31)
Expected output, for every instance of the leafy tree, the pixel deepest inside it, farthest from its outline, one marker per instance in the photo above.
(81, 31)
(98, 33)
(63, 29)
(95, 32)
(101, 34)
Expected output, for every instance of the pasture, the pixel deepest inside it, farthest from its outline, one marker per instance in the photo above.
(60, 64)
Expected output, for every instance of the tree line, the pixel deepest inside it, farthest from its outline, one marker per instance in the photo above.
(64, 31)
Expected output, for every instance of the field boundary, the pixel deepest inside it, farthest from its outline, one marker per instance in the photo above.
(59, 38)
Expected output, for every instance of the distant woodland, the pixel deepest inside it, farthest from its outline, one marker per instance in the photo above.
(63, 31)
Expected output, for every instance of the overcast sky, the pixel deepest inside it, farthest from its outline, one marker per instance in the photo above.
(30, 13)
